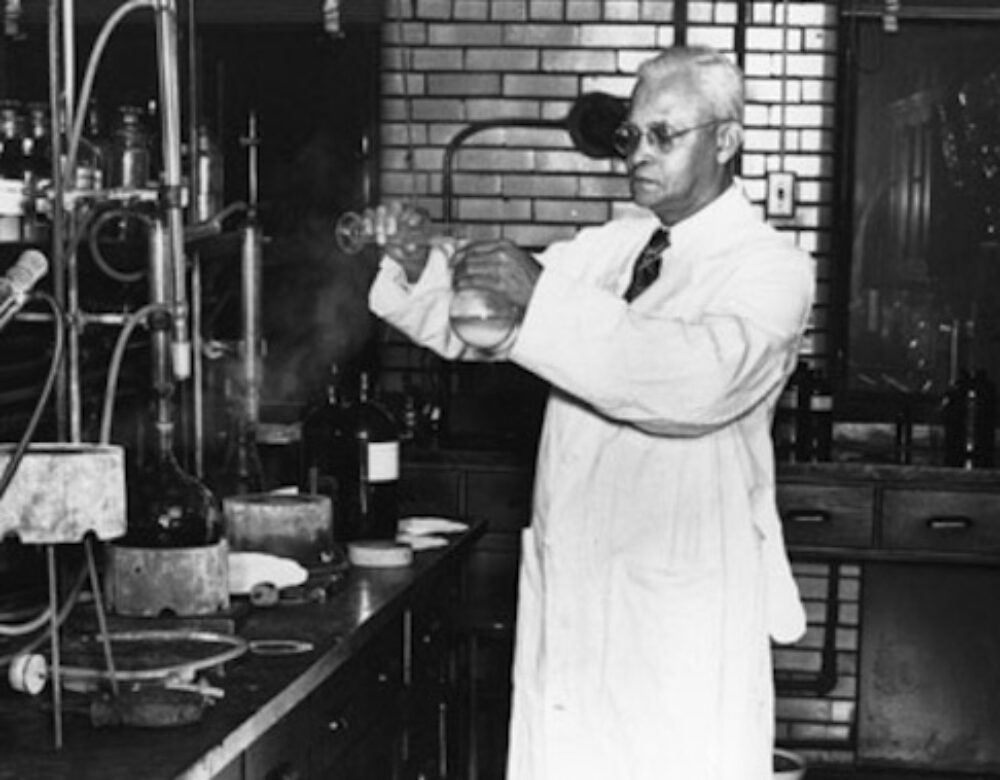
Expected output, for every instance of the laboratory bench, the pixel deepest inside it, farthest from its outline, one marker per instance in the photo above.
(379, 695)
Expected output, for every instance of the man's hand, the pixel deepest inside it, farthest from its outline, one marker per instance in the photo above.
(500, 267)
(403, 232)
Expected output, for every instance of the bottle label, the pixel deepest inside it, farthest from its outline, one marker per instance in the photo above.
(821, 403)
(383, 461)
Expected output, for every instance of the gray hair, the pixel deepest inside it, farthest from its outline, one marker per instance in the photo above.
(718, 78)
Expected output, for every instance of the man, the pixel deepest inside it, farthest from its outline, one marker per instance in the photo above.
(654, 572)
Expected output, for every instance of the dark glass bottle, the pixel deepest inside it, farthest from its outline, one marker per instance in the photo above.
(970, 421)
(172, 508)
(377, 441)
(325, 450)
(350, 451)
(788, 419)
(819, 440)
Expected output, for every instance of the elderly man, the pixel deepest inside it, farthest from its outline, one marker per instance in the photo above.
(654, 573)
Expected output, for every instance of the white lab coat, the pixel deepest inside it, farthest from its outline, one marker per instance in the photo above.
(654, 573)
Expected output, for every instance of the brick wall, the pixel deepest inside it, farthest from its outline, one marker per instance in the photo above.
(450, 63)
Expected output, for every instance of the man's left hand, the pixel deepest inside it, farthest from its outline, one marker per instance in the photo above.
(500, 267)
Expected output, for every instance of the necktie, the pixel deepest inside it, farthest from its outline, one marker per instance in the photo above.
(647, 266)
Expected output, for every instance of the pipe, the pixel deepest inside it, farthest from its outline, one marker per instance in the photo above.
(250, 291)
(171, 179)
(58, 216)
(161, 292)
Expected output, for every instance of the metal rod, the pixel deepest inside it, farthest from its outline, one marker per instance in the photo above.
(102, 621)
(55, 678)
(58, 212)
(171, 179)
(198, 367)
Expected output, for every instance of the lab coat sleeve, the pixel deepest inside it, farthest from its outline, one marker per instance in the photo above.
(420, 310)
(664, 374)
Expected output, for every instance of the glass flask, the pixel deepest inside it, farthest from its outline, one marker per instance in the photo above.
(480, 318)
(172, 508)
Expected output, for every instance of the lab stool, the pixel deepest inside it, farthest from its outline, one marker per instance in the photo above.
(486, 630)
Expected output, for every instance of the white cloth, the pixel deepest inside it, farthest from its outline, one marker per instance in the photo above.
(654, 571)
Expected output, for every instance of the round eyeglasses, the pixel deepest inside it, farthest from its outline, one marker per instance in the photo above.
(628, 136)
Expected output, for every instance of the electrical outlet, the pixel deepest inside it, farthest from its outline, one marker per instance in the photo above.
(780, 194)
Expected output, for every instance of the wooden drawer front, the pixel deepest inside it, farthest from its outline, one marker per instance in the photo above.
(357, 698)
(502, 498)
(941, 521)
(429, 491)
(827, 515)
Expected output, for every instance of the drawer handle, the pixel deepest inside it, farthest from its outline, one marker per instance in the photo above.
(950, 523)
(812, 516)
(337, 725)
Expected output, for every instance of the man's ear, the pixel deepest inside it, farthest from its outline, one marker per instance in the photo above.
(728, 140)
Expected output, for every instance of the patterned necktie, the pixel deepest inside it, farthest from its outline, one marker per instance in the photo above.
(647, 266)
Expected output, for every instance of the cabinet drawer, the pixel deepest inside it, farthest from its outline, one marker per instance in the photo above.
(348, 705)
(502, 498)
(279, 754)
(941, 521)
(827, 515)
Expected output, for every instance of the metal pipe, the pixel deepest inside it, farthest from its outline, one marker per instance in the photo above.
(58, 216)
(161, 291)
(250, 294)
(171, 178)
(251, 264)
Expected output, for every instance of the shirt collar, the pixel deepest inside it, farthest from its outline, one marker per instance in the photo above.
(729, 207)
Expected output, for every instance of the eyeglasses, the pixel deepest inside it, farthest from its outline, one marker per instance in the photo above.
(628, 136)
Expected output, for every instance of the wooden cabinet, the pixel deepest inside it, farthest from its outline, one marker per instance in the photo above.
(928, 541)
(355, 722)
(496, 490)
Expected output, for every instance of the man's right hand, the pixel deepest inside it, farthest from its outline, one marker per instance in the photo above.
(403, 233)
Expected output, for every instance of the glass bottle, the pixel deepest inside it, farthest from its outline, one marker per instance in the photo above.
(787, 420)
(131, 155)
(38, 171)
(93, 157)
(12, 169)
(325, 448)
(209, 197)
(820, 415)
(376, 438)
(970, 421)
(350, 451)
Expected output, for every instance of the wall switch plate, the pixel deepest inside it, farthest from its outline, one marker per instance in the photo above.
(780, 194)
